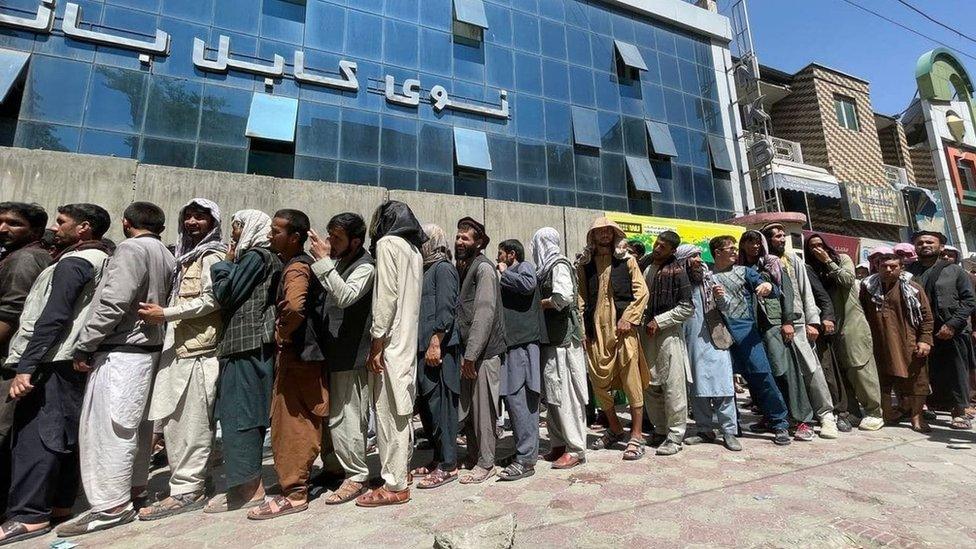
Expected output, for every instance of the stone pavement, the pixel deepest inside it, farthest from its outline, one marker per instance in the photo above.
(892, 488)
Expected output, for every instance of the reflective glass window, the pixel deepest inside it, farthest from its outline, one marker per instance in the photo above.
(664, 172)
(364, 35)
(674, 104)
(437, 14)
(500, 67)
(581, 86)
(670, 75)
(503, 158)
(595, 202)
(471, 149)
(577, 14)
(358, 174)
(693, 112)
(499, 25)
(641, 174)
(400, 44)
(529, 114)
(469, 60)
(559, 123)
(435, 183)
(272, 117)
(526, 31)
(532, 162)
(721, 159)
(51, 137)
(237, 15)
(601, 48)
(559, 162)
(635, 136)
(435, 51)
(555, 79)
(533, 195)
(623, 27)
(173, 110)
(654, 102)
(224, 115)
(586, 129)
(437, 146)
(588, 170)
(614, 174)
(578, 46)
(403, 9)
(396, 178)
(704, 193)
(498, 190)
(553, 9)
(698, 143)
(167, 153)
(471, 12)
(326, 26)
(611, 132)
(629, 55)
(360, 136)
(120, 145)
(283, 20)
(222, 159)
(312, 168)
(198, 11)
(553, 37)
(528, 73)
(55, 90)
(607, 91)
(116, 99)
(398, 142)
(318, 130)
(559, 197)
(12, 65)
(133, 22)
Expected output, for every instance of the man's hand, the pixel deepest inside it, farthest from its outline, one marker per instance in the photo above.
(318, 247)
(764, 289)
(651, 328)
(20, 386)
(81, 365)
(375, 361)
(812, 333)
(946, 332)
(821, 254)
(433, 355)
(502, 266)
(548, 304)
(829, 327)
(922, 349)
(231, 254)
(468, 370)
(151, 313)
(787, 332)
(623, 327)
(718, 291)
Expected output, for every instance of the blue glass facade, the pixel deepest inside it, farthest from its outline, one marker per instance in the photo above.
(550, 55)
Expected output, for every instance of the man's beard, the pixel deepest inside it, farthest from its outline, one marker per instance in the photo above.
(777, 251)
(462, 253)
(696, 275)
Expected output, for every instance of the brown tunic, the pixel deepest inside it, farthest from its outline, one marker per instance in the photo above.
(893, 334)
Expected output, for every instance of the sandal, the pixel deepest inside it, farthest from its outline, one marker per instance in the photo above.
(424, 470)
(437, 477)
(275, 507)
(961, 423)
(348, 491)
(634, 451)
(607, 440)
(478, 475)
(14, 531)
(173, 505)
(222, 504)
(516, 471)
(381, 497)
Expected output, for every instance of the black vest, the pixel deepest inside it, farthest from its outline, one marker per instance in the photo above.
(251, 325)
(308, 339)
(523, 317)
(466, 310)
(563, 325)
(621, 289)
(342, 351)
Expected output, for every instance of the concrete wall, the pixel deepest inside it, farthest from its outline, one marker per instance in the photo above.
(521, 221)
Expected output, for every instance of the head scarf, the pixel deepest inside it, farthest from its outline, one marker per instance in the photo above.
(766, 262)
(436, 248)
(906, 252)
(545, 249)
(879, 250)
(819, 267)
(909, 294)
(670, 281)
(619, 245)
(684, 253)
(394, 218)
(186, 251)
(953, 249)
(254, 234)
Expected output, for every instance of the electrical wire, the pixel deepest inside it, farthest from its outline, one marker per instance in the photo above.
(936, 21)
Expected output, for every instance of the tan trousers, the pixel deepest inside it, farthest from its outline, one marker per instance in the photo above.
(344, 439)
(299, 403)
(393, 436)
(188, 431)
(666, 398)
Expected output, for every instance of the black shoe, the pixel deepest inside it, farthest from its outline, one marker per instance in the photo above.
(782, 438)
(759, 427)
(843, 426)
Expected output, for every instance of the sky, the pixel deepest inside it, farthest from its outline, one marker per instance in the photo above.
(790, 34)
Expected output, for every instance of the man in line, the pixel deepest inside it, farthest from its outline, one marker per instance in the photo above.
(806, 326)
(613, 296)
(47, 389)
(481, 326)
(396, 238)
(563, 358)
(120, 352)
(950, 293)
(346, 271)
(300, 397)
(841, 394)
(522, 378)
(852, 342)
(664, 346)
(734, 291)
(900, 317)
(711, 389)
(186, 383)
(244, 286)
(22, 258)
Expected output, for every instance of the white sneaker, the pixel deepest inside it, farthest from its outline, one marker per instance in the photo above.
(871, 423)
(828, 429)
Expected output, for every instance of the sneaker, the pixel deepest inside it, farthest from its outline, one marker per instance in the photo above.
(871, 423)
(782, 438)
(828, 429)
(96, 521)
(732, 443)
(843, 425)
(669, 448)
(803, 433)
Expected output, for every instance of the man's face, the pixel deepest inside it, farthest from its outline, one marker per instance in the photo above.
(662, 250)
(465, 245)
(341, 245)
(753, 248)
(696, 264)
(890, 270)
(777, 242)
(816, 244)
(950, 256)
(236, 229)
(927, 246)
(281, 240)
(15, 231)
(508, 258)
(69, 231)
(197, 223)
(727, 254)
(603, 237)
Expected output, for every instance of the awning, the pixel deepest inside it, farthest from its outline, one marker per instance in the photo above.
(642, 174)
(803, 178)
(272, 117)
(586, 130)
(661, 141)
(721, 160)
(630, 55)
(12, 64)
(471, 149)
(471, 12)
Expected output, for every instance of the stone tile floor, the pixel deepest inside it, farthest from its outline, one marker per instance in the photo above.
(892, 488)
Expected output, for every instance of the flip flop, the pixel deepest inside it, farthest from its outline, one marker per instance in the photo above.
(17, 531)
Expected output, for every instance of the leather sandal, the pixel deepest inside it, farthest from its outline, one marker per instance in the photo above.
(275, 507)
(634, 451)
(607, 440)
(381, 497)
(437, 477)
(478, 475)
(568, 461)
(348, 491)
(173, 505)
(222, 504)
(14, 531)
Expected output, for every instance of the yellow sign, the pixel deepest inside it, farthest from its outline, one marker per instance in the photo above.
(645, 229)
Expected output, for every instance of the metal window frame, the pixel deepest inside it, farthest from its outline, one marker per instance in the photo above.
(641, 174)
(586, 127)
(719, 152)
(660, 138)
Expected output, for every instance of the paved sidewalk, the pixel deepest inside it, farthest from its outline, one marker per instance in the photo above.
(892, 488)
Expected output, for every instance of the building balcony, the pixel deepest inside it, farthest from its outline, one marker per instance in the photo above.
(896, 176)
(784, 169)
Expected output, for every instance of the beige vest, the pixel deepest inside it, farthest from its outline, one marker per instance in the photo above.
(195, 336)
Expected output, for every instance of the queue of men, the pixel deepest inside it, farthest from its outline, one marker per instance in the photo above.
(312, 338)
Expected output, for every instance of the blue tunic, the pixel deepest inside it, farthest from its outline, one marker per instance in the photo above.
(711, 368)
(748, 353)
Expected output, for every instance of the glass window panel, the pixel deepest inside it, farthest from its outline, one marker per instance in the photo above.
(684, 47)
(471, 12)
(272, 117)
(116, 99)
(607, 91)
(602, 50)
(689, 77)
(173, 109)
(144, 5)
(395, 178)
(437, 14)
(631, 101)
(471, 184)
(164, 152)
(674, 104)
(682, 183)
(12, 65)
(435, 52)
(471, 149)
(558, 197)
(199, 11)
(660, 138)
(653, 72)
(177, 63)
(704, 193)
(680, 136)
(559, 123)
(559, 161)
(630, 55)
(614, 174)
(237, 15)
(577, 14)
(469, 60)
(722, 186)
(682, 211)
(644, 34)
(588, 170)
(610, 132)
(435, 183)
(578, 46)
(555, 79)
(318, 130)
(400, 44)
(709, 87)
(224, 116)
(654, 102)
(665, 40)
(693, 112)
(221, 159)
(437, 146)
(314, 169)
(503, 191)
(283, 20)
(553, 37)
(623, 27)
(133, 22)
(120, 145)
(359, 136)
(581, 86)
(499, 25)
(55, 90)
(72, 49)
(586, 129)
(503, 158)
(850, 112)
(533, 195)
(635, 136)
(358, 174)
(364, 35)
(698, 143)
(500, 66)
(553, 9)
(526, 31)
(326, 26)
(529, 115)
(664, 173)
(663, 209)
(405, 9)
(600, 19)
(368, 71)
(713, 116)
(721, 159)
(642, 174)
(532, 162)
(670, 73)
(528, 74)
(593, 201)
(398, 142)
